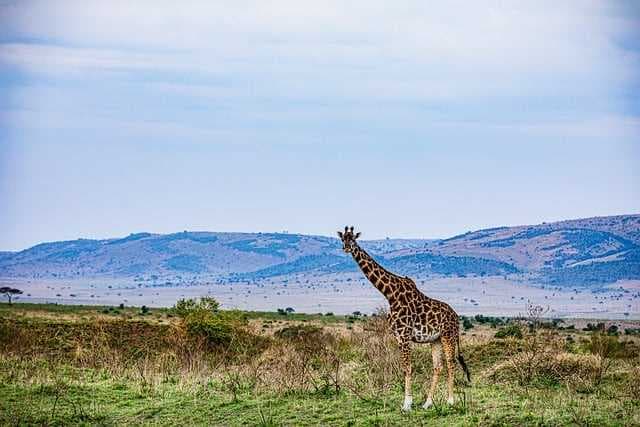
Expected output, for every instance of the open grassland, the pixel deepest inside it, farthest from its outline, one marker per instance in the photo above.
(62, 365)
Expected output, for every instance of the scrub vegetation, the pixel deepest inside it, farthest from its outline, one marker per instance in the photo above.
(197, 364)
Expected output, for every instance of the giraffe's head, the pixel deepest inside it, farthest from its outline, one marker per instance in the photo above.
(348, 238)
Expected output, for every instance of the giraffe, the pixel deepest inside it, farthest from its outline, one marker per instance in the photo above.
(414, 318)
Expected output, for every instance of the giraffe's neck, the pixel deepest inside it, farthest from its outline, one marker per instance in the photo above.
(376, 274)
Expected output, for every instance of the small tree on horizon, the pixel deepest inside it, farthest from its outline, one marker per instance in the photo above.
(10, 292)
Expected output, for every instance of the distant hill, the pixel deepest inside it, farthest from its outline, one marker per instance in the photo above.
(582, 251)
(588, 251)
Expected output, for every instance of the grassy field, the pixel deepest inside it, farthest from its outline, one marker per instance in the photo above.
(62, 365)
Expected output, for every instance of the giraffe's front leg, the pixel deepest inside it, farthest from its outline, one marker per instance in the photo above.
(405, 351)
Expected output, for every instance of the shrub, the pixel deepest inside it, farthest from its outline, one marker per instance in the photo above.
(536, 349)
(592, 327)
(607, 348)
(567, 368)
(298, 332)
(185, 306)
(303, 358)
(480, 318)
(492, 321)
(307, 338)
(215, 328)
(466, 324)
(203, 319)
(512, 330)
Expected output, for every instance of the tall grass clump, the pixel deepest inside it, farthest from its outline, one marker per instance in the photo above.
(607, 349)
(378, 369)
(536, 353)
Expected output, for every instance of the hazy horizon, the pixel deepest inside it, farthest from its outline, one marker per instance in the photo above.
(411, 121)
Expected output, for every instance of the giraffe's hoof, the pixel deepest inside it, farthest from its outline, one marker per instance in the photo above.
(450, 401)
(406, 406)
(428, 404)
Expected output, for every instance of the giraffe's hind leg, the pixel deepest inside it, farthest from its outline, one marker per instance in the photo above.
(436, 356)
(449, 347)
(405, 354)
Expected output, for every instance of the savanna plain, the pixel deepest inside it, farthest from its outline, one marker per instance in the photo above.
(194, 364)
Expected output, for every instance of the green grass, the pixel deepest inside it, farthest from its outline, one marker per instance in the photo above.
(76, 368)
(95, 398)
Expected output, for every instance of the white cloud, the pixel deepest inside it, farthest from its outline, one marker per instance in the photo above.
(455, 55)
(453, 36)
(46, 58)
(605, 127)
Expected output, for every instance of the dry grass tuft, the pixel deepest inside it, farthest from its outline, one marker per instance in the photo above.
(566, 368)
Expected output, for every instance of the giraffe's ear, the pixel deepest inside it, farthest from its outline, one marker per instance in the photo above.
(357, 235)
(340, 234)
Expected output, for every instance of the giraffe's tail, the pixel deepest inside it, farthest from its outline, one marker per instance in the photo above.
(462, 362)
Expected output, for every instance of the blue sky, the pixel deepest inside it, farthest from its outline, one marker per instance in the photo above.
(411, 120)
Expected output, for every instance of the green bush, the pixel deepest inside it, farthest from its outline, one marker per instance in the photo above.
(218, 328)
(185, 306)
(512, 330)
(492, 321)
(203, 319)
(592, 327)
(611, 347)
(466, 324)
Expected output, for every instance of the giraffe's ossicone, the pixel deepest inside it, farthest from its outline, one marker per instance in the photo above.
(413, 318)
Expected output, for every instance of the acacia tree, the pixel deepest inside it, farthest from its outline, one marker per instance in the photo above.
(10, 292)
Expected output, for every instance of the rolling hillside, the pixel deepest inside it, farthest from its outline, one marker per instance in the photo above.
(577, 252)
